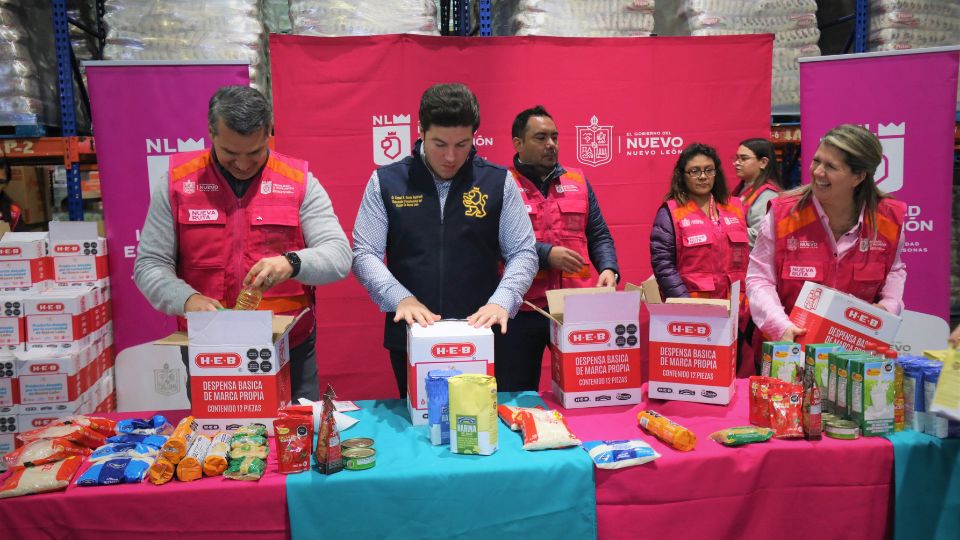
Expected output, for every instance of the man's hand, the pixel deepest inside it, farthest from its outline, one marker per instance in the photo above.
(199, 302)
(792, 333)
(268, 271)
(608, 278)
(954, 338)
(565, 260)
(488, 316)
(411, 310)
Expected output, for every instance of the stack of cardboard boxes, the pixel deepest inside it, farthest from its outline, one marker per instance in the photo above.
(56, 334)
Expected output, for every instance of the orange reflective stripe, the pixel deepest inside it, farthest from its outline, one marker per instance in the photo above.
(573, 177)
(191, 166)
(283, 169)
(735, 210)
(583, 273)
(283, 304)
(887, 228)
(685, 210)
(796, 221)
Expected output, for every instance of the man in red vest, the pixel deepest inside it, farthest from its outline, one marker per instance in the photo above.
(239, 215)
(571, 236)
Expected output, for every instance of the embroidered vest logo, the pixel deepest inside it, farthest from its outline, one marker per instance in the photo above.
(475, 203)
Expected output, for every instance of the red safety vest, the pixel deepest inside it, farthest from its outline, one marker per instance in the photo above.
(748, 202)
(560, 219)
(803, 251)
(219, 238)
(710, 257)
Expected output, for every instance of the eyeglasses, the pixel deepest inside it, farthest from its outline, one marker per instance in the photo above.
(696, 172)
(742, 159)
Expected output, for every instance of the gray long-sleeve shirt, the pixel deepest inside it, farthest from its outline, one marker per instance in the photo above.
(326, 258)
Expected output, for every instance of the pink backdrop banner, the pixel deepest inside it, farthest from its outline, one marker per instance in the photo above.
(142, 114)
(625, 108)
(909, 101)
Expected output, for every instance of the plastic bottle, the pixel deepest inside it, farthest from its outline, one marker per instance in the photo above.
(248, 299)
(899, 398)
(667, 431)
(812, 413)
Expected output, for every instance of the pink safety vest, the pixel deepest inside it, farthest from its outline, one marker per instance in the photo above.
(219, 238)
(803, 251)
(748, 202)
(560, 219)
(710, 257)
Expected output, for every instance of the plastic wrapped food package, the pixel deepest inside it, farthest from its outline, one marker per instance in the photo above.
(80, 435)
(28, 68)
(766, 8)
(115, 471)
(156, 425)
(50, 477)
(363, 17)
(248, 468)
(44, 451)
(620, 454)
(543, 430)
(574, 18)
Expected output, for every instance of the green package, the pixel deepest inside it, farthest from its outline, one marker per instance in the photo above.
(248, 468)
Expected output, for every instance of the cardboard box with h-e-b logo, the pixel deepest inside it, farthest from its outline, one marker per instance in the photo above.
(831, 316)
(239, 365)
(79, 255)
(443, 345)
(594, 346)
(693, 346)
(25, 264)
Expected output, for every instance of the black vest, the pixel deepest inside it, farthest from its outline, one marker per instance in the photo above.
(453, 266)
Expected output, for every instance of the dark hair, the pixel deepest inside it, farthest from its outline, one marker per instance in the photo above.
(243, 109)
(678, 185)
(520, 122)
(449, 105)
(762, 148)
(863, 153)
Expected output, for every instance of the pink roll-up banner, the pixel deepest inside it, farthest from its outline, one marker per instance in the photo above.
(908, 99)
(142, 113)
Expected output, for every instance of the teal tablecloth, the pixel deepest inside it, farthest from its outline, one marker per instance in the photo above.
(421, 491)
(927, 484)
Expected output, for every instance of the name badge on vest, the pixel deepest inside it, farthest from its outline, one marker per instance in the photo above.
(189, 186)
(696, 239)
(803, 272)
(731, 220)
(266, 187)
(199, 216)
(791, 244)
(864, 245)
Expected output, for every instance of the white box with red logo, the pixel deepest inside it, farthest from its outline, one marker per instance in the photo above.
(55, 377)
(12, 336)
(24, 262)
(831, 316)
(693, 346)
(443, 345)
(594, 346)
(59, 319)
(79, 255)
(41, 416)
(9, 382)
(9, 427)
(239, 366)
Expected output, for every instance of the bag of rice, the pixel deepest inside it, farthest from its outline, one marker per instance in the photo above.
(42, 452)
(49, 477)
(544, 430)
(620, 454)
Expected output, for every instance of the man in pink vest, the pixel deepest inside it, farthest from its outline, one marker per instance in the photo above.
(574, 245)
(240, 215)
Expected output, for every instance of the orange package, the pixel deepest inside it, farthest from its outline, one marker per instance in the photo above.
(786, 411)
(44, 451)
(215, 462)
(191, 466)
(49, 477)
(162, 470)
(77, 434)
(667, 431)
(104, 426)
(760, 400)
(179, 441)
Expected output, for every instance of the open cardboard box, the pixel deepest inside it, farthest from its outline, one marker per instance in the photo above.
(594, 346)
(693, 346)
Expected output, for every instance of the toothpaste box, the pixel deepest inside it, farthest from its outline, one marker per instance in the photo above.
(594, 346)
(24, 262)
(59, 319)
(831, 316)
(79, 255)
(782, 360)
(693, 346)
(871, 395)
(443, 345)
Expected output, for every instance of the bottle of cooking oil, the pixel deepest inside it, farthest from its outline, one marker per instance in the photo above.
(249, 298)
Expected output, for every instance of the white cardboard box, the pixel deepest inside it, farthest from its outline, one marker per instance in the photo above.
(56, 377)
(831, 316)
(12, 336)
(79, 255)
(594, 346)
(693, 346)
(24, 262)
(443, 345)
(59, 319)
(239, 366)
(9, 383)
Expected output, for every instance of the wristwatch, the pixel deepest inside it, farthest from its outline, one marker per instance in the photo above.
(294, 261)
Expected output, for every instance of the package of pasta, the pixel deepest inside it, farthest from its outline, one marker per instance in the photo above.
(543, 430)
(294, 438)
(161, 471)
(738, 436)
(155, 441)
(249, 450)
(215, 462)
(80, 435)
(123, 450)
(191, 466)
(247, 440)
(248, 468)
(251, 430)
(786, 411)
(48, 477)
(44, 451)
(179, 441)
(156, 425)
(104, 426)
(115, 471)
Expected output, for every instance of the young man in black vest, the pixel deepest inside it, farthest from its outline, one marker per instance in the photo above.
(445, 219)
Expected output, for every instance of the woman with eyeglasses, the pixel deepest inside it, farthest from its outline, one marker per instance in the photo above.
(839, 230)
(699, 244)
(756, 166)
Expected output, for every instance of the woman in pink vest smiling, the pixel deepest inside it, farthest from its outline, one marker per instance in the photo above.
(839, 230)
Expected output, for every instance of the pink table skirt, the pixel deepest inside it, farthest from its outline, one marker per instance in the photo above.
(783, 488)
(203, 509)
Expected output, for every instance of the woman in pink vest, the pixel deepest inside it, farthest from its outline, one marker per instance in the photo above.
(839, 230)
(698, 245)
(756, 166)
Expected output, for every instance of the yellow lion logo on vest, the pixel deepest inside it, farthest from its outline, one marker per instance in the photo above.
(475, 202)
